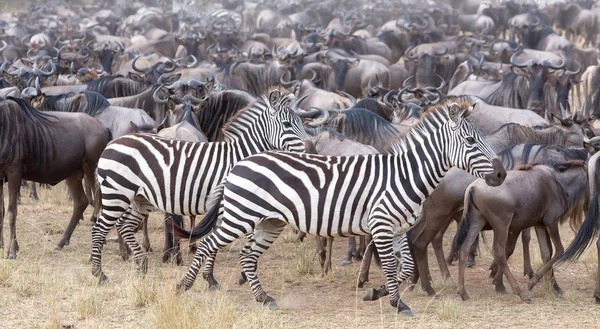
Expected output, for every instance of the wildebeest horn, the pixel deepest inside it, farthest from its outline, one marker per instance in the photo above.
(4, 45)
(520, 65)
(72, 68)
(135, 68)
(314, 75)
(386, 97)
(548, 64)
(39, 72)
(28, 93)
(408, 51)
(175, 85)
(310, 114)
(576, 71)
(444, 52)
(156, 98)
(193, 63)
(424, 25)
(405, 83)
(37, 85)
(285, 83)
(350, 97)
(296, 104)
(170, 69)
(323, 120)
(442, 84)
(26, 37)
(538, 21)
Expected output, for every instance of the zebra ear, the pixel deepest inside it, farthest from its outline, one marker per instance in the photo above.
(274, 99)
(456, 112)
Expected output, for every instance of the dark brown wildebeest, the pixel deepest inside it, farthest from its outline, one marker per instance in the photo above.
(539, 196)
(46, 148)
(588, 230)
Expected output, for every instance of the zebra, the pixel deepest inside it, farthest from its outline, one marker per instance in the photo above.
(141, 171)
(331, 196)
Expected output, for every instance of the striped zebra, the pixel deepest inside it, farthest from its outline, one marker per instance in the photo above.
(138, 172)
(331, 196)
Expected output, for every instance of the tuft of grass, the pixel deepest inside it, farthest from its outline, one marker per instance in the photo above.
(448, 310)
(89, 302)
(22, 285)
(5, 272)
(210, 310)
(143, 292)
(305, 264)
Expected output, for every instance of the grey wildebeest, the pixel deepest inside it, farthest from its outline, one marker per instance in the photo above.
(47, 148)
(539, 196)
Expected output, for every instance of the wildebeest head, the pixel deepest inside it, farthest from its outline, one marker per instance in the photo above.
(155, 73)
(538, 72)
(111, 23)
(190, 40)
(415, 26)
(340, 66)
(106, 53)
(424, 63)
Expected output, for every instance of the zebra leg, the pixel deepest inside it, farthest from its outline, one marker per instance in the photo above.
(146, 241)
(362, 247)
(265, 233)
(191, 245)
(383, 240)
(365, 265)
(222, 236)
(128, 225)
(406, 260)
(242, 279)
(208, 274)
(321, 244)
(171, 249)
(327, 266)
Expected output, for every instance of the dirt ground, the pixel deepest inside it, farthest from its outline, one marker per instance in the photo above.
(48, 289)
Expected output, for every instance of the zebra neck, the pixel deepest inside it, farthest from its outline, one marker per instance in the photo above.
(247, 142)
(421, 161)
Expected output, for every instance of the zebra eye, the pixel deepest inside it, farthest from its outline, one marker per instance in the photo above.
(287, 124)
(470, 140)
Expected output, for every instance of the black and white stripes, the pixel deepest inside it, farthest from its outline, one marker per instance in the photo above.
(136, 172)
(346, 195)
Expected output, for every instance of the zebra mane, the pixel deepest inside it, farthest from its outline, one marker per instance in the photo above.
(219, 109)
(437, 112)
(248, 115)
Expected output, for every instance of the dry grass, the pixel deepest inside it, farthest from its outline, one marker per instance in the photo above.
(47, 289)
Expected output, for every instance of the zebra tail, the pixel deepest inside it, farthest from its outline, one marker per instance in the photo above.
(463, 227)
(97, 195)
(206, 225)
(588, 230)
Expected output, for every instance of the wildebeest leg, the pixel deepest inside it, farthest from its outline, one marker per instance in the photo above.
(525, 239)
(14, 184)
(438, 249)
(419, 244)
(88, 184)
(327, 265)
(477, 222)
(500, 227)
(511, 242)
(191, 245)
(79, 204)
(351, 251)
(321, 243)
(552, 228)
(301, 236)
(128, 224)
(365, 264)
(146, 241)
(546, 253)
(33, 192)
(172, 245)
(2, 213)
(597, 291)
(362, 247)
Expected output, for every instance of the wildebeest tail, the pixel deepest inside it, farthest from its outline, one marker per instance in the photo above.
(590, 227)
(465, 223)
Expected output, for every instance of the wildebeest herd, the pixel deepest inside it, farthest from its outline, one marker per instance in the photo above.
(384, 120)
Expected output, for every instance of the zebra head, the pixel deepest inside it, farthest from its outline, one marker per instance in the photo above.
(468, 150)
(284, 130)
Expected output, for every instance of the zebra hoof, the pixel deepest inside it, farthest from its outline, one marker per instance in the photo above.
(345, 262)
(371, 295)
(408, 313)
(270, 303)
(242, 279)
(102, 280)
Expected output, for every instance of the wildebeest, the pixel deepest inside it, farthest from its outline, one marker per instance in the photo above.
(47, 148)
